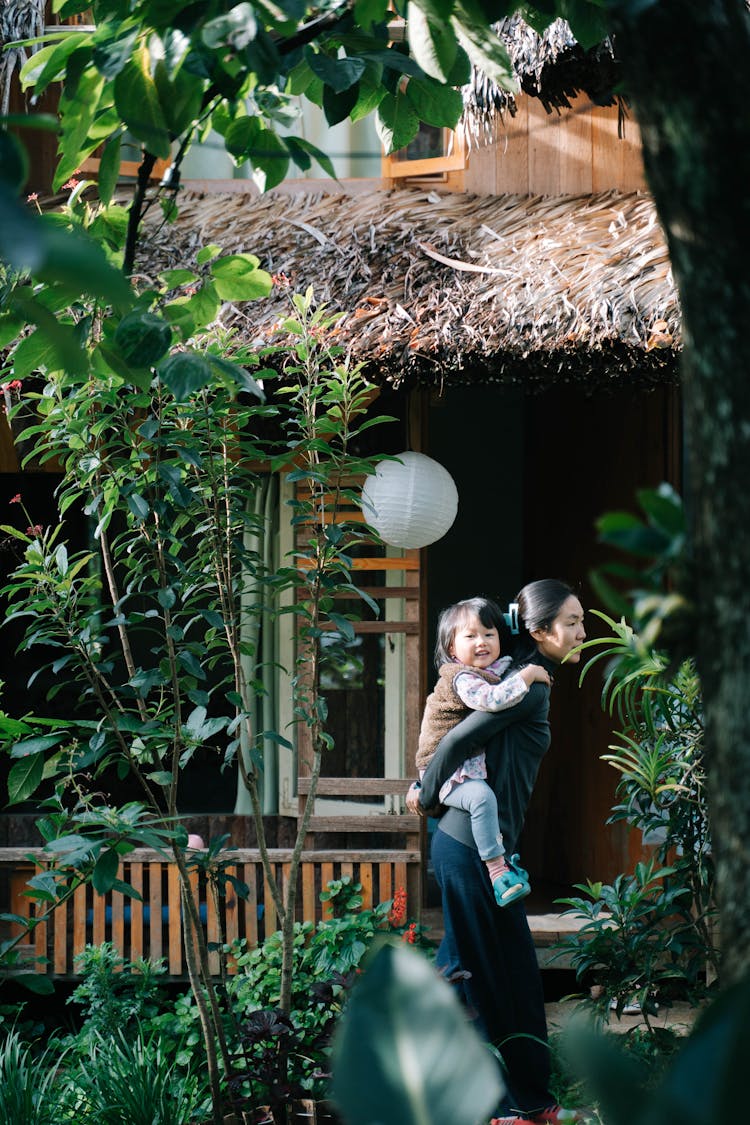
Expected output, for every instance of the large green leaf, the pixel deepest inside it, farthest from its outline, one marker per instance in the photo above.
(238, 278)
(269, 158)
(339, 74)
(482, 45)
(78, 107)
(112, 52)
(104, 874)
(184, 373)
(368, 12)
(137, 101)
(180, 97)
(435, 103)
(50, 62)
(302, 152)
(396, 122)
(432, 42)
(25, 777)
(142, 338)
(241, 135)
(587, 21)
(337, 107)
(404, 1038)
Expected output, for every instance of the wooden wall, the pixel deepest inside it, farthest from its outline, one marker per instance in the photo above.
(574, 152)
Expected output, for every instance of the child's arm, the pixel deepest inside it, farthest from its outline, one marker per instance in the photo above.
(471, 735)
(478, 695)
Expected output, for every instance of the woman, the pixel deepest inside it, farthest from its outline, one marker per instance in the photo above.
(489, 953)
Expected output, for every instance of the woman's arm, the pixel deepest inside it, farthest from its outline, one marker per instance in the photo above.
(470, 736)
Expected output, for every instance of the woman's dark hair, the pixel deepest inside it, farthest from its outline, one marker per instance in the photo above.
(451, 618)
(540, 602)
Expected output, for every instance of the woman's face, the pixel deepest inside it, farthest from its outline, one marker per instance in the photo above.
(564, 634)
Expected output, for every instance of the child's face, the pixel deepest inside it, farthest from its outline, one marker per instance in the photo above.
(475, 644)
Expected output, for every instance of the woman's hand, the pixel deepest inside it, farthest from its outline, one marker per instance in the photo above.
(412, 799)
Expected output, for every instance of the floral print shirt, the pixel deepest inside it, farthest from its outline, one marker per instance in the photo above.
(478, 695)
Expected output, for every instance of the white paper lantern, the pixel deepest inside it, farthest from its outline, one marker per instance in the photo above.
(410, 502)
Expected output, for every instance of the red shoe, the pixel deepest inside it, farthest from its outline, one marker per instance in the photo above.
(552, 1115)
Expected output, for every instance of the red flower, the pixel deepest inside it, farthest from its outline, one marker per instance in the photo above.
(410, 935)
(16, 499)
(35, 530)
(397, 913)
(72, 183)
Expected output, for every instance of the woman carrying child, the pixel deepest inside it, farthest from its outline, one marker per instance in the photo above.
(488, 954)
(470, 678)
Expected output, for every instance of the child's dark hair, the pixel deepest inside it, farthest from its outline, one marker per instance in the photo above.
(450, 620)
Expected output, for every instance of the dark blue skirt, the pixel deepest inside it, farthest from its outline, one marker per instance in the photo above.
(504, 994)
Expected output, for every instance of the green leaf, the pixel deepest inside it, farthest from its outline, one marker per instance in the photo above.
(236, 29)
(587, 21)
(24, 778)
(435, 103)
(339, 74)
(368, 12)
(138, 506)
(241, 136)
(369, 98)
(191, 664)
(78, 109)
(238, 278)
(30, 747)
(112, 53)
(482, 45)
(34, 353)
(173, 279)
(109, 168)
(337, 107)
(432, 42)
(137, 101)
(142, 338)
(52, 254)
(14, 163)
(37, 983)
(270, 160)
(301, 151)
(396, 122)
(405, 1039)
(50, 62)
(181, 98)
(105, 871)
(184, 373)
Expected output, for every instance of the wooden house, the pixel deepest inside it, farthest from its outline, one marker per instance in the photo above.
(512, 298)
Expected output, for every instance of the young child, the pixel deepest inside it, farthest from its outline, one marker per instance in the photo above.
(467, 656)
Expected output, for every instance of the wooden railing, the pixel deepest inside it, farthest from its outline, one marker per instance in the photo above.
(152, 926)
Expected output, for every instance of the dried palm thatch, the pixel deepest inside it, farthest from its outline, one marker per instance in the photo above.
(449, 288)
(552, 67)
(19, 19)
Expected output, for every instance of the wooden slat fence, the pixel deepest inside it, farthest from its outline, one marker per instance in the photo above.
(152, 926)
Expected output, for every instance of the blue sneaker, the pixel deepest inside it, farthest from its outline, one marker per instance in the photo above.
(512, 884)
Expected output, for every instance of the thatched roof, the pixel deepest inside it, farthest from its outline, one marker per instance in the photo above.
(452, 288)
(552, 67)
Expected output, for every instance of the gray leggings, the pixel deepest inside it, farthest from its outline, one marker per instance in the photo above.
(477, 799)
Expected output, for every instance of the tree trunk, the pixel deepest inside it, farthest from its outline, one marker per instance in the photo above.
(686, 66)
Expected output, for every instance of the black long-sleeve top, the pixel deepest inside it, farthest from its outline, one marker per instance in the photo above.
(514, 741)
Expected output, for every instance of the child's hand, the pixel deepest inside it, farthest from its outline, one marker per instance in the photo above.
(535, 674)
